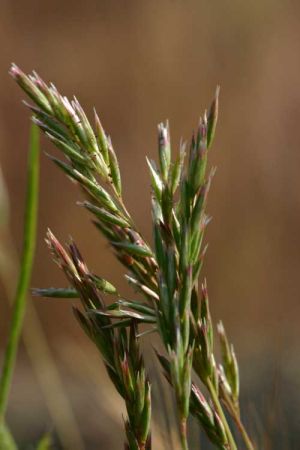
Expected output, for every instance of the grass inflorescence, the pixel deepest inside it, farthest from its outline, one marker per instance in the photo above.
(165, 275)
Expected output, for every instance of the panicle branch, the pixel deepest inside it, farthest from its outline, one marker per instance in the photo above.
(119, 347)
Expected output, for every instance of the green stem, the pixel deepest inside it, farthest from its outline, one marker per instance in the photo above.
(236, 417)
(220, 412)
(30, 225)
(183, 435)
(244, 433)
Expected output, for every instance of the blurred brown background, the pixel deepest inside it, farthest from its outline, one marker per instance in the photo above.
(140, 62)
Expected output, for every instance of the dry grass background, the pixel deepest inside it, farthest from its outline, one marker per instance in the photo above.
(140, 62)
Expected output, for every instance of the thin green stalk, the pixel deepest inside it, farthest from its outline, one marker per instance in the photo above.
(221, 414)
(30, 226)
(243, 432)
(236, 417)
(183, 436)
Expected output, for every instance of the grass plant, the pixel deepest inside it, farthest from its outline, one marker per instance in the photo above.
(165, 276)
